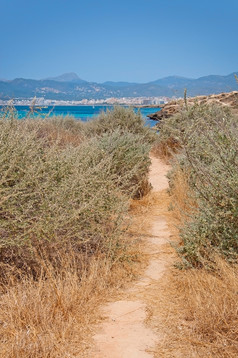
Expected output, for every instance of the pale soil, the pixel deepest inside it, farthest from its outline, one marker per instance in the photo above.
(128, 329)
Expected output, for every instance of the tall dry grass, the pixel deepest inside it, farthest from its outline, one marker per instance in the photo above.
(210, 303)
(166, 148)
(52, 316)
(182, 201)
(202, 317)
(196, 313)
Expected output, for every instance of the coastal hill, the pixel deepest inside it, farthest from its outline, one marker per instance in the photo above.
(70, 87)
(229, 100)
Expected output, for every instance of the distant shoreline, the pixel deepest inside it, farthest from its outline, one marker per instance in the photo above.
(84, 105)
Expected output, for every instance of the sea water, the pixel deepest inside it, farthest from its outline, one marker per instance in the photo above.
(83, 113)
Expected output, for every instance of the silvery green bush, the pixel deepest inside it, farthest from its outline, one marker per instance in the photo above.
(208, 136)
(120, 119)
(55, 195)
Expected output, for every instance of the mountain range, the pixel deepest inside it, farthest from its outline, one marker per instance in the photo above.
(70, 87)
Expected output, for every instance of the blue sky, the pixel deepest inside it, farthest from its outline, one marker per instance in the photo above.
(126, 40)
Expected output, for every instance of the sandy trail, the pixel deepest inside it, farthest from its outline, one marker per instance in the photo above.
(124, 333)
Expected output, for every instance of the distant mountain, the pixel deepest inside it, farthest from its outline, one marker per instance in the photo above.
(173, 81)
(118, 84)
(70, 87)
(212, 84)
(66, 77)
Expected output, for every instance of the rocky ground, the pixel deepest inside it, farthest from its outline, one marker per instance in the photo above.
(229, 99)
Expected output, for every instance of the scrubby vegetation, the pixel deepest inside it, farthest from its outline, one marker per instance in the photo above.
(205, 139)
(65, 188)
(54, 194)
(121, 119)
(201, 143)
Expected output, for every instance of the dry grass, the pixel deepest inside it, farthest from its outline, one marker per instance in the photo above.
(61, 136)
(139, 210)
(182, 200)
(48, 318)
(165, 149)
(197, 313)
(210, 303)
(196, 310)
(52, 317)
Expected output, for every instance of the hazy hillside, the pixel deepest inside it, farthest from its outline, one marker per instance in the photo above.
(67, 77)
(70, 87)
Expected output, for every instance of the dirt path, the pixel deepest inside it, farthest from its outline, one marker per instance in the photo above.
(125, 333)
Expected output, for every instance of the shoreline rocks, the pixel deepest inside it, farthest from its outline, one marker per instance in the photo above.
(229, 99)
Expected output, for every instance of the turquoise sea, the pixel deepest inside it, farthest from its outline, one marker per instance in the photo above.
(80, 112)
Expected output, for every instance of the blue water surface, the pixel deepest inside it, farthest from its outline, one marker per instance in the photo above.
(83, 113)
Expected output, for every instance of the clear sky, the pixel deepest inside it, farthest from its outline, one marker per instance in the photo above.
(126, 40)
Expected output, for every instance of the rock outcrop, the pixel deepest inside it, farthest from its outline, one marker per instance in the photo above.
(229, 99)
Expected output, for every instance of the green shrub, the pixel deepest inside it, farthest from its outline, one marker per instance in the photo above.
(72, 195)
(208, 136)
(121, 119)
(129, 155)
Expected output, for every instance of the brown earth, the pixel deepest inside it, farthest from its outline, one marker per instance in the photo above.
(126, 330)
